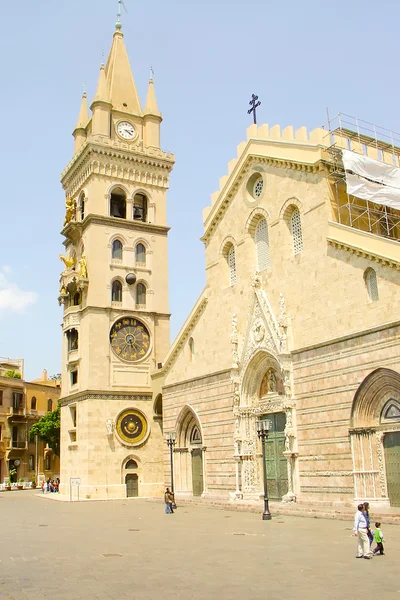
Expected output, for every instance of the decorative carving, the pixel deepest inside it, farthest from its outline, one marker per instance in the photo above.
(110, 426)
(258, 331)
(381, 462)
(69, 210)
(83, 272)
(287, 387)
(69, 262)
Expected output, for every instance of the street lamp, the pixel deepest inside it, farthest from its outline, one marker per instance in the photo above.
(263, 427)
(170, 437)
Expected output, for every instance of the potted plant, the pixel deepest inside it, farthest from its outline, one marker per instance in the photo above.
(11, 474)
(20, 485)
(33, 483)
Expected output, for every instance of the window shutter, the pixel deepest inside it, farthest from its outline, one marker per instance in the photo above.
(262, 245)
(297, 233)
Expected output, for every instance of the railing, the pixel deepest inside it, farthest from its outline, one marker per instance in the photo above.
(17, 411)
(18, 445)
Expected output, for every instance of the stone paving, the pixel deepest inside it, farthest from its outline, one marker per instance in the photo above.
(131, 549)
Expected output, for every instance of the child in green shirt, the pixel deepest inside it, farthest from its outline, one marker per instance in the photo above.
(378, 536)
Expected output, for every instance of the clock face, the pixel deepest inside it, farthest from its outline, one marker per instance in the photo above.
(126, 130)
(131, 427)
(129, 339)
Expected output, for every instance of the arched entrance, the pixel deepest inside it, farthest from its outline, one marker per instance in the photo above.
(265, 393)
(375, 437)
(131, 479)
(189, 454)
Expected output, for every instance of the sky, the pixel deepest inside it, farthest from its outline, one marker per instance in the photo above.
(300, 58)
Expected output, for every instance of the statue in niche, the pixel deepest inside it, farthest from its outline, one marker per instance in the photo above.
(269, 383)
(69, 210)
(83, 267)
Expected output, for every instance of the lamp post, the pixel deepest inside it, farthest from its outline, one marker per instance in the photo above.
(263, 427)
(170, 437)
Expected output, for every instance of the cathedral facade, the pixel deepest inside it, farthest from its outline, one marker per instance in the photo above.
(297, 324)
(114, 291)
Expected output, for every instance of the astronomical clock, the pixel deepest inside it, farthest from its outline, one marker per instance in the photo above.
(131, 427)
(129, 339)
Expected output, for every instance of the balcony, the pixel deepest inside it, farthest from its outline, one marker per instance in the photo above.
(16, 445)
(16, 412)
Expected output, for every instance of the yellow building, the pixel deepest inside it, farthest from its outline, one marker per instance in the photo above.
(114, 289)
(22, 403)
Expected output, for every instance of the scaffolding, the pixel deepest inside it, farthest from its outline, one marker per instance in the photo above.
(349, 133)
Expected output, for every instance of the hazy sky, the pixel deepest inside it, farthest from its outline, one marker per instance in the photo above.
(208, 58)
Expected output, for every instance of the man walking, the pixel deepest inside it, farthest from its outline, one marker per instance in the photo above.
(360, 529)
(168, 498)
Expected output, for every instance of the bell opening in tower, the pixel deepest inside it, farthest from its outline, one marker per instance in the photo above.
(118, 204)
(140, 207)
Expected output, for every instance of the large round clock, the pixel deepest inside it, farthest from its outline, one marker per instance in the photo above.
(129, 339)
(126, 130)
(131, 427)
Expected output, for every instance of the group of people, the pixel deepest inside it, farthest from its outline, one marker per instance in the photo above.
(362, 529)
(51, 485)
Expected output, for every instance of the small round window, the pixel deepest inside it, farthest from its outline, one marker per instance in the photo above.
(258, 187)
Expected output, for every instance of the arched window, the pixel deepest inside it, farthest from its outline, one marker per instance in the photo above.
(140, 207)
(371, 282)
(77, 299)
(49, 405)
(195, 436)
(82, 207)
(116, 291)
(140, 294)
(297, 233)
(232, 265)
(131, 464)
(191, 348)
(73, 339)
(116, 252)
(118, 204)
(140, 254)
(33, 403)
(262, 245)
(158, 406)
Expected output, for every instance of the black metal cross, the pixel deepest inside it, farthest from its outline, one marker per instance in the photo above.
(254, 105)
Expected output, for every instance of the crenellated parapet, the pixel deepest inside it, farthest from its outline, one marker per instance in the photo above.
(299, 150)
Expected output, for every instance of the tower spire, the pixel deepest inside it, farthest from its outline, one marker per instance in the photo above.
(121, 85)
(118, 24)
(83, 118)
(151, 101)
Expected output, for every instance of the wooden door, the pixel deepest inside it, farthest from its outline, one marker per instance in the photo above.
(391, 443)
(132, 485)
(197, 471)
(277, 476)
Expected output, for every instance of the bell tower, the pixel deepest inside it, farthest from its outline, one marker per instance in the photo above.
(114, 290)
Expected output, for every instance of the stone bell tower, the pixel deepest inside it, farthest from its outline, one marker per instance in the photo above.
(114, 290)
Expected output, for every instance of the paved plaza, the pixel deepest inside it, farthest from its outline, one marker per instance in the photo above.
(131, 549)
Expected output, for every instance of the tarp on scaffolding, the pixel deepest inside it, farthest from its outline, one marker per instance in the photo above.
(371, 179)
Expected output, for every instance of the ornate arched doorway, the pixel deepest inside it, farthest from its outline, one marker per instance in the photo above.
(189, 454)
(265, 393)
(375, 438)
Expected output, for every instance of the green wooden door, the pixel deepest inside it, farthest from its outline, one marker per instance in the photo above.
(391, 443)
(197, 471)
(277, 476)
(132, 485)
